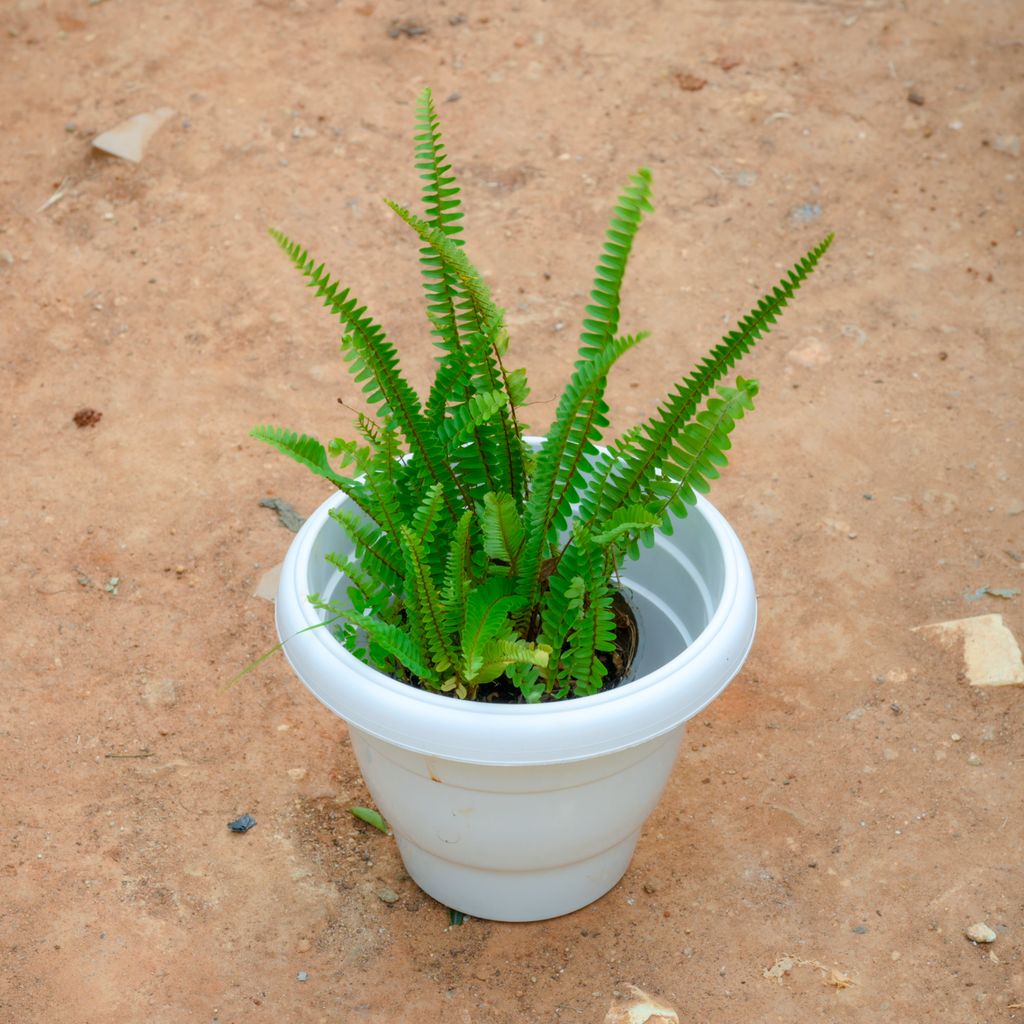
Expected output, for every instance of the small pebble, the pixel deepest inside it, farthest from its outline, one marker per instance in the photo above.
(805, 213)
(860, 929)
(1008, 144)
(974, 761)
(980, 933)
(87, 417)
(386, 895)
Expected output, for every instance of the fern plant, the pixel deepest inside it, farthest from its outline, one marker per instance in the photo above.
(481, 564)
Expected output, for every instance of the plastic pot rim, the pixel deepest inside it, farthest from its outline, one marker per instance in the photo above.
(505, 734)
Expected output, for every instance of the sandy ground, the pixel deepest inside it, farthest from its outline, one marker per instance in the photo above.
(828, 807)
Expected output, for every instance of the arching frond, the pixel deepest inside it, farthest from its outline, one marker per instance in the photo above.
(373, 363)
(601, 320)
(641, 457)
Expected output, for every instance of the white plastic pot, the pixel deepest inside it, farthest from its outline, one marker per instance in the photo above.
(525, 812)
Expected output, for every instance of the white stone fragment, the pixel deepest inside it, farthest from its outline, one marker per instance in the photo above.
(128, 139)
(991, 654)
(267, 586)
(634, 1006)
(980, 933)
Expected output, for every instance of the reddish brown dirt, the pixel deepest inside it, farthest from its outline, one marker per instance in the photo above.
(821, 808)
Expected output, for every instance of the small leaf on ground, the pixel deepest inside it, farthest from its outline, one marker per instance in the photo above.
(371, 817)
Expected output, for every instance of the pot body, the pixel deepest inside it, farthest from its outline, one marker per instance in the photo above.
(520, 813)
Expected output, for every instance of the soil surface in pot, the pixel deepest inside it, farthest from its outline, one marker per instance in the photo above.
(851, 801)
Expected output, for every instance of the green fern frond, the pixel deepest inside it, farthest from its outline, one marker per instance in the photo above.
(639, 459)
(625, 522)
(375, 484)
(309, 452)
(452, 380)
(349, 453)
(440, 191)
(478, 410)
(564, 458)
(399, 644)
(425, 521)
(371, 594)
(481, 317)
(487, 316)
(593, 635)
(558, 616)
(379, 554)
(500, 655)
(518, 388)
(502, 529)
(457, 580)
(373, 363)
(432, 527)
(385, 485)
(487, 611)
(701, 448)
(575, 616)
(442, 212)
(601, 321)
(485, 454)
(303, 449)
(423, 596)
